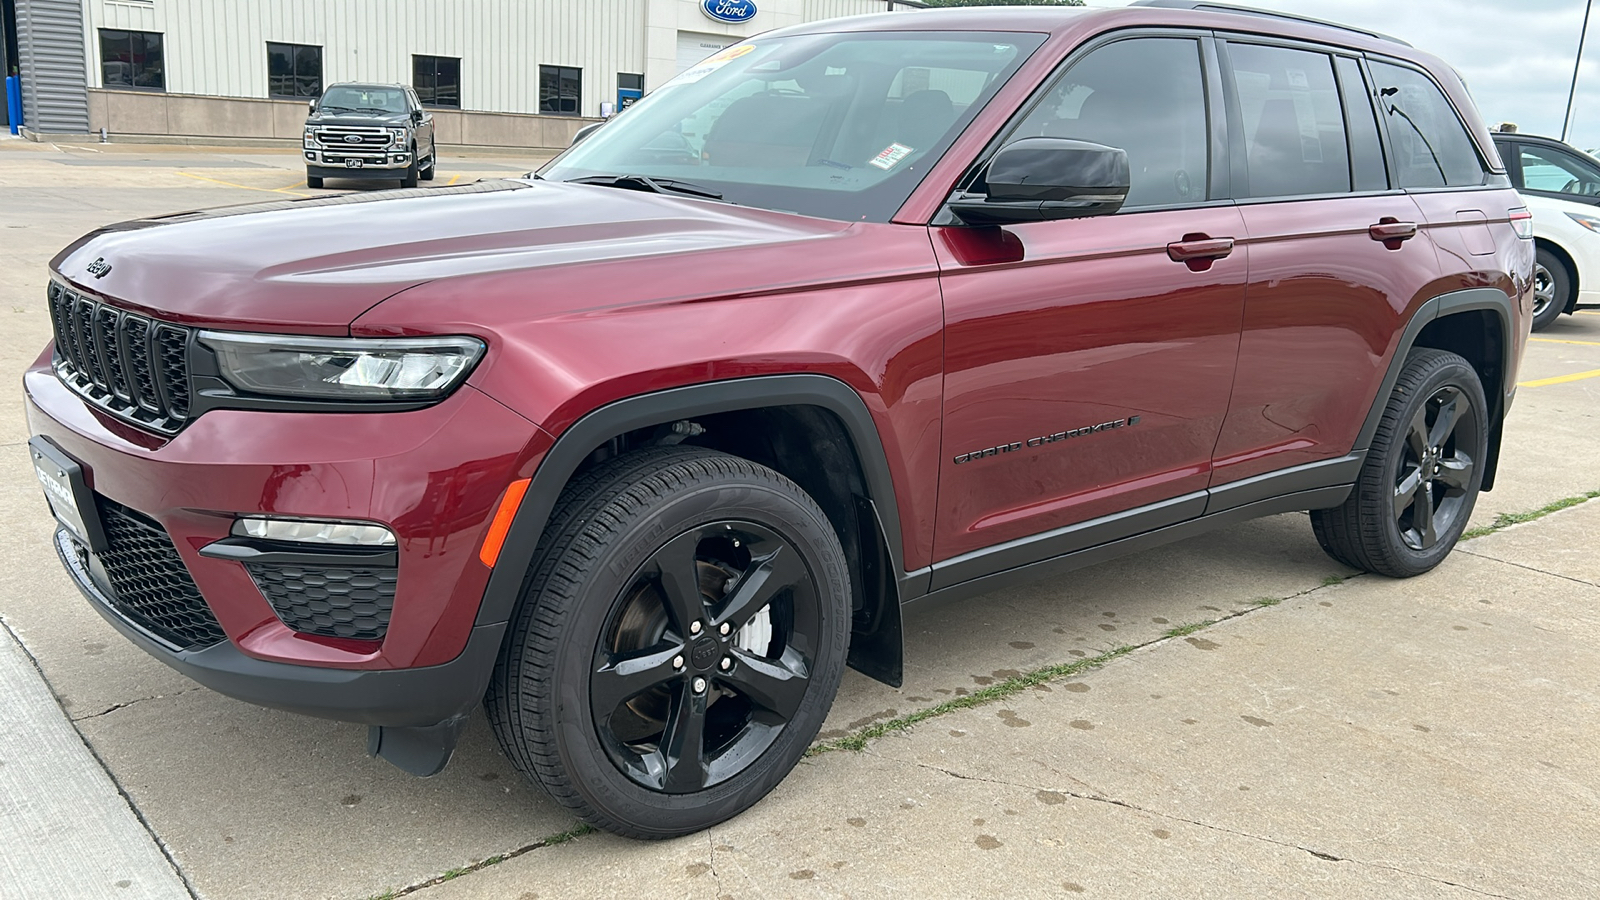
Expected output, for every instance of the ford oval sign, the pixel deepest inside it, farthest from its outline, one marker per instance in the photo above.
(734, 11)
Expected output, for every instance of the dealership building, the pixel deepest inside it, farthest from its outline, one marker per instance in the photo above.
(499, 73)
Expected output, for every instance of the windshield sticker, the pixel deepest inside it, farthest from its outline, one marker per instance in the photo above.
(890, 157)
(706, 67)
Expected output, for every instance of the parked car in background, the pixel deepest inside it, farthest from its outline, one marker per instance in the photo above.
(1562, 186)
(369, 131)
(641, 451)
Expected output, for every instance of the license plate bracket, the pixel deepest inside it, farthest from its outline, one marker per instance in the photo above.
(66, 488)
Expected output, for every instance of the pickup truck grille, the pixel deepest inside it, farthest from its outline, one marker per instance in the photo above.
(133, 367)
(338, 137)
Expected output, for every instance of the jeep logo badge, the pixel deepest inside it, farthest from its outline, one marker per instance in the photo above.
(99, 268)
(704, 653)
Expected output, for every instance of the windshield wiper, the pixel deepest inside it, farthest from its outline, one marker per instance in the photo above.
(345, 108)
(653, 185)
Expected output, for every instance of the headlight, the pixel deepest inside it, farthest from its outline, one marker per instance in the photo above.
(1590, 222)
(397, 136)
(310, 141)
(343, 368)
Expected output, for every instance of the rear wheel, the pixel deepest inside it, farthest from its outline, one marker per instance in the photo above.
(1552, 289)
(313, 181)
(1421, 476)
(680, 640)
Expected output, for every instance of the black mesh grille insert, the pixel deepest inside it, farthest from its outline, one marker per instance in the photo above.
(150, 584)
(130, 366)
(332, 601)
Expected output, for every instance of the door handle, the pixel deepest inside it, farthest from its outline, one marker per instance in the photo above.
(1198, 251)
(1392, 232)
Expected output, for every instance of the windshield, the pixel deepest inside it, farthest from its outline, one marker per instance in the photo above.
(840, 126)
(365, 99)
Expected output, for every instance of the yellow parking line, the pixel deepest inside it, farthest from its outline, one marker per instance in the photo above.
(1560, 341)
(1561, 379)
(243, 187)
(453, 179)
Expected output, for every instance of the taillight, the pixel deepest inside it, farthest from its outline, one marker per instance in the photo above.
(1522, 221)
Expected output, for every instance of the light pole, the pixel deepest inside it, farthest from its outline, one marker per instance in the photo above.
(1572, 91)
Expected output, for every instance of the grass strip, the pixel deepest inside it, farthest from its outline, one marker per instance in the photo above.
(577, 831)
(1506, 520)
(993, 692)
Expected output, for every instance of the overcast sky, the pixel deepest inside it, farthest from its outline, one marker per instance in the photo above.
(1516, 55)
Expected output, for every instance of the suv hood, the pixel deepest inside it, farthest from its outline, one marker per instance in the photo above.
(313, 266)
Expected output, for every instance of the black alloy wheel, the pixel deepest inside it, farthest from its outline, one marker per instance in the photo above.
(1421, 476)
(1436, 475)
(682, 633)
(706, 658)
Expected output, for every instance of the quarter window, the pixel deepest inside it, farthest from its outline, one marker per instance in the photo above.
(1431, 146)
(1145, 96)
(132, 59)
(294, 70)
(1545, 169)
(560, 90)
(1293, 121)
(437, 80)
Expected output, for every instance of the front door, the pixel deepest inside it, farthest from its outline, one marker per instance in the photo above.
(1088, 361)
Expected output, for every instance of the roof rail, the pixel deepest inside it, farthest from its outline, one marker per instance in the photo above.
(1206, 6)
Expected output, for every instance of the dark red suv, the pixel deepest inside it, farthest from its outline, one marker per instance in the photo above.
(646, 447)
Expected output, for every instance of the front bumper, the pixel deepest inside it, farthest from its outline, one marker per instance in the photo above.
(407, 698)
(433, 476)
(330, 163)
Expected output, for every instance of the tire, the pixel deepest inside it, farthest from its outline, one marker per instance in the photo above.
(1417, 457)
(611, 659)
(410, 172)
(313, 181)
(433, 166)
(1552, 288)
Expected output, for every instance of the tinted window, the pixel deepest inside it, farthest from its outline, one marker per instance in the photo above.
(364, 99)
(1293, 121)
(1548, 169)
(1431, 147)
(437, 80)
(294, 70)
(1366, 148)
(560, 90)
(132, 59)
(841, 126)
(1145, 96)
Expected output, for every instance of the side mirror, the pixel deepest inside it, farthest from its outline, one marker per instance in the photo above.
(416, 116)
(1040, 179)
(584, 133)
(311, 106)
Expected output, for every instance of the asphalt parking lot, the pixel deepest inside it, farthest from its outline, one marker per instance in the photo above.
(1232, 716)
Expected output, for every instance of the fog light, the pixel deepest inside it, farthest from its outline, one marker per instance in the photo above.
(349, 534)
(399, 158)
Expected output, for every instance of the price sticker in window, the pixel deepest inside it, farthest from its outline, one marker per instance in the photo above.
(891, 156)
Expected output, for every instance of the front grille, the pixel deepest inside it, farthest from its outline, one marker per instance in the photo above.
(150, 585)
(332, 601)
(337, 137)
(131, 366)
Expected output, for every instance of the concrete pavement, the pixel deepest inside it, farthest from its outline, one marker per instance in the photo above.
(1096, 786)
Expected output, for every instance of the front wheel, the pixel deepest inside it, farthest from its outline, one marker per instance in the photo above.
(1422, 473)
(1552, 289)
(679, 642)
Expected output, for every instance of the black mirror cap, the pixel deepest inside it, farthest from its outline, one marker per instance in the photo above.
(416, 115)
(1039, 179)
(584, 133)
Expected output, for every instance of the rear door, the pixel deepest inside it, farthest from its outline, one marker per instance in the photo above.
(1088, 361)
(1336, 258)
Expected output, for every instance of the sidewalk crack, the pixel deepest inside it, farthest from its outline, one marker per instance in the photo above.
(1529, 568)
(124, 705)
(1100, 798)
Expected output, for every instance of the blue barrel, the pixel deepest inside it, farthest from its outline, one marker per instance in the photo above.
(14, 101)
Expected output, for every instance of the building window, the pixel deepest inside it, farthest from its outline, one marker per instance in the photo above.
(560, 90)
(437, 80)
(132, 59)
(294, 70)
